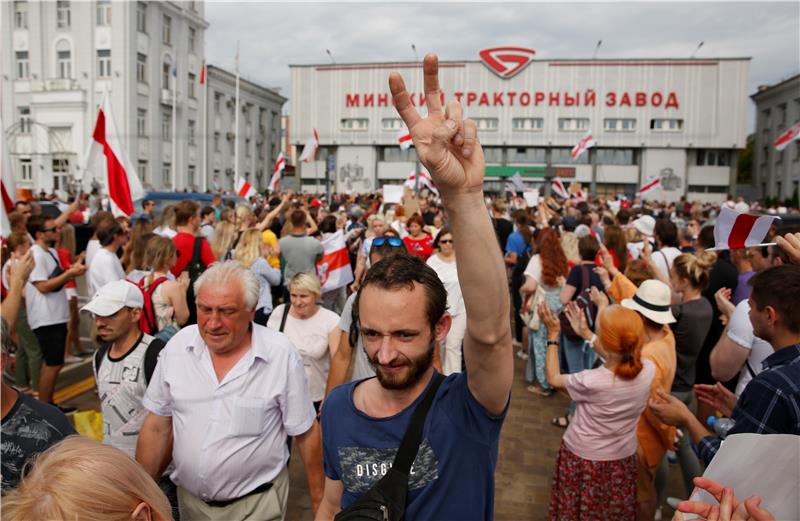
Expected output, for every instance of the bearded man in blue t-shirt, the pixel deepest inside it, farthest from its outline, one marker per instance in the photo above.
(401, 314)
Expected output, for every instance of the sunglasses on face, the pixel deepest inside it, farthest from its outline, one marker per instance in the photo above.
(52, 229)
(446, 241)
(393, 241)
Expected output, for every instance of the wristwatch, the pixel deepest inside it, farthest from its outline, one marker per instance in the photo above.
(552, 343)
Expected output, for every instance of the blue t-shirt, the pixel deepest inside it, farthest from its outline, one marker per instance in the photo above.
(516, 243)
(453, 474)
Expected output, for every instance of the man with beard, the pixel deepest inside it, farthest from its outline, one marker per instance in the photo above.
(400, 313)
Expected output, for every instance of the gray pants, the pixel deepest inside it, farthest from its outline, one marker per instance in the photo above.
(29, 356)
(690, 464)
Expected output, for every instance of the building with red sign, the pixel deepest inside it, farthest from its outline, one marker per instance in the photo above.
(679, 119)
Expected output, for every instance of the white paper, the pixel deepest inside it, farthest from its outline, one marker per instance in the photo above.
(392, 193)
(531, 197)
(766, 465)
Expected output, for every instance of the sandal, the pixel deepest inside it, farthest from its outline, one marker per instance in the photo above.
(561, 422)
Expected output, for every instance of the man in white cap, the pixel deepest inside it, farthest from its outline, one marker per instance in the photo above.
(645, 225)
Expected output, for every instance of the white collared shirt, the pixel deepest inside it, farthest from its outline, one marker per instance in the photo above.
(230, 436)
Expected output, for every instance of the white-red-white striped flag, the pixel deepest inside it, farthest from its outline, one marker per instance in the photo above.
(277, 173)
(310, 148)
(583, 145)
(425, 180)
(558, 188)
(244, 189)
(334, 270)
(107, 160)
(651, 185)
(735, 230)
(404, 139)
(8, 186)
(791, 134)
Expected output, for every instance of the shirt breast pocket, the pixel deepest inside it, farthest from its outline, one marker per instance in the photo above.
(248, 416)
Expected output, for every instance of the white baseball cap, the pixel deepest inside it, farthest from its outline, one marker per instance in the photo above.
(645, 224)
(652, 299)
(114, 296)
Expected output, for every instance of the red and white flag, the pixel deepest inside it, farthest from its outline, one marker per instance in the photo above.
(404, 139)
(7, 184)
(425, 180)
(334, 270)
(203, 74)
(244, 189)
(651, 185)
(107, 160)
(735, 230)
(583, 145)
(310, 148)
(791, 134)
(558, 188)
(277, 173)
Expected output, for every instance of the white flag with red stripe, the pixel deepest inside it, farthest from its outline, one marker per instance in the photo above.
(7, 184)
(310, 148)
(244, 189)
(404, 139)
(558, 188)
(791, 134)
(583, 145)
(107, 160)
(649, 186)
(334, 270)
(735, 230)
(425, 180)
(277, 173)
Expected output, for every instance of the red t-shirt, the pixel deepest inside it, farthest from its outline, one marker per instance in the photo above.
(65, 258)
(420, 247)
(184, 243)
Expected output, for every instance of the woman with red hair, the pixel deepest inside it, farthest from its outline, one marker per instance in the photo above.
(417, 241)
(595, 471)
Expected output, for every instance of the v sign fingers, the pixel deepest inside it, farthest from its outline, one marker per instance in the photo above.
(433, 94)
(402, 101)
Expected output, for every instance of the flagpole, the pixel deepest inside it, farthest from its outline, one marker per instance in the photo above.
(204, 184)
(236, 121)
(175, 129)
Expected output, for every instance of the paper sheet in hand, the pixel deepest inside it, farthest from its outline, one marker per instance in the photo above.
(392, 193)
(767, 465)
(531, 197)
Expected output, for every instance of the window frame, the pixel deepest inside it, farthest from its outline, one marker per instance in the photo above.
(104, 63)
(22, 65)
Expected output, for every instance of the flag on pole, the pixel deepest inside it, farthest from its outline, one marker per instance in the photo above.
(516, 180)
(310, 148)
(106, 159)
(244, 189)
(424, 180)
(651, 185)
(583, 145)
(334, 270)
(735, 230)
(277, 172)
(8, 186)
(791, 134)
(404, 139)
(558, 188)
(203, 74)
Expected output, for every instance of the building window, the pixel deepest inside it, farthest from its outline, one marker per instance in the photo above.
(392, 124)
(193, 5)
(779, 158)
(247, 152)
(764, 155)
(24, 120)
(141, 122)
(354, 124)
(666, 125)
(486, 124)
(64, 64)
(23, 65)
(141, 67)
(216, 142)
(26, 170)
(63, 16)
(713, 157)
(564, 156)
(218, 102)
(192, 85)
(141, 17)
(781, 115)
(21, 15)
(141, 169)
(396, 154)
(190, 176)
(573, 124)
(103, 12)
(166, 174)
(536, 124)
(797, 151)
(60, 166)
(166, 69)
(493, 154)
(614, 156)
(231, 144)
(619, 124)
(191, 131)
(192, 37)
(526, 155)
(166, 30)
(104, 63)
(166, 126)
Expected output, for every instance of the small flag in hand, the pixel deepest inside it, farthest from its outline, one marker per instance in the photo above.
(558, 188)
(735, 230)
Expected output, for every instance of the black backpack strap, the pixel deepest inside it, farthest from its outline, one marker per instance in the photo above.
(100, 355)
(413, 436)
(151, 357)
(198, 244)
(285, 315)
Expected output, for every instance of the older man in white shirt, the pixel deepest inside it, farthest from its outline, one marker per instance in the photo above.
(228, 392)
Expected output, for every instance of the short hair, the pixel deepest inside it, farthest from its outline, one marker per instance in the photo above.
(184, 211)
(706, 237)
(20, 203)
(15, 219)
(623, 216)
(227, 272)
(35, 224)
(328, 224)
(778, 288)
(16, 239)
(638, 271)
(297, 218)
(415, 219)
(666, 232)
(107, 233)
(305, 282)
(146, 202)
(80, 478)
(100, 219)
(588, 248)
(207, 210)
(444, 231)
(159, 252)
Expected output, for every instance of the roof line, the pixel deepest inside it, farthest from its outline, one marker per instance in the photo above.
(549, 60)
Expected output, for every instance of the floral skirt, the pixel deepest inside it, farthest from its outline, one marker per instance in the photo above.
(585, 490)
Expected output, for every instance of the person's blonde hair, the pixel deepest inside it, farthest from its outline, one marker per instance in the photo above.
(695, 268)
(80, 478)
(159, 253)
(224, 235)
(569, 243)
(243, 214)
(305, 282)
(67, 238)
(249, 248)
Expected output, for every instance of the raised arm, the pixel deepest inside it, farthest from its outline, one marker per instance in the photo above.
(448, 146)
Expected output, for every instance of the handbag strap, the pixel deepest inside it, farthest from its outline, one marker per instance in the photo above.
(285, 314)
(413, 436)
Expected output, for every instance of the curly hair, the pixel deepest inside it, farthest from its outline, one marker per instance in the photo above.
(554, 260)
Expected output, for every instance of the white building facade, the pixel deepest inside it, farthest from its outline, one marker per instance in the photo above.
(58, 59)
(681, 120)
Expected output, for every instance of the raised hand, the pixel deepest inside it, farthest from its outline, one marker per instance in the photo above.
(577, 319)
(723, 300)
(447, 145)
(790, 243)
(717, 396)
(20, 269)
(549, 318)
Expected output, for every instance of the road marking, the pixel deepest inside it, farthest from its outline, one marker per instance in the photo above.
(76, 389)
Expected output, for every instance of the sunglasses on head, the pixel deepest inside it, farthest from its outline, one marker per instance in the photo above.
(393, 241)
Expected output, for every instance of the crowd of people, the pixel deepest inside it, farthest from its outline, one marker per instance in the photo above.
(217, 352)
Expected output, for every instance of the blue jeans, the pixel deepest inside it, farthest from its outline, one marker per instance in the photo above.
(578, 356)
(537, 345)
